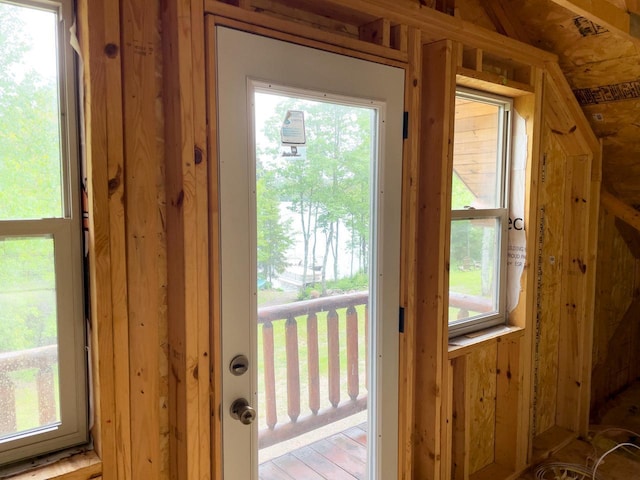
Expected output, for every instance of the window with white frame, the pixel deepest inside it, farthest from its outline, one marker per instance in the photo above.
(479, 211)
(43, 393)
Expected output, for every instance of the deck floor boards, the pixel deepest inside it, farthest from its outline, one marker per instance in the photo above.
(341, 456)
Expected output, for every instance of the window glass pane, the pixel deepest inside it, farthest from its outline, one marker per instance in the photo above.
(474, 267)
(314, 225)
(476, 155)
(28, 335)
(30, 168)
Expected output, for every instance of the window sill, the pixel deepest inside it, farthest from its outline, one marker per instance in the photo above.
(465, 344)
(82, 466)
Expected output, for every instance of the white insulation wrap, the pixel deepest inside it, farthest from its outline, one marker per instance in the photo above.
(517, 252)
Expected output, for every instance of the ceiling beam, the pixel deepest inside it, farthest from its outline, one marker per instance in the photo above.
(633, 6)
(505, 21)
(630, 235)
(620, 209)
(603, 13)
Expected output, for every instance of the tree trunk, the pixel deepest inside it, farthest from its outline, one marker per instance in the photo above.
(327, 249)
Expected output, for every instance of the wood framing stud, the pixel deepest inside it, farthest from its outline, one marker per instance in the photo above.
(602, 13)
(378, 32)
(620, 209)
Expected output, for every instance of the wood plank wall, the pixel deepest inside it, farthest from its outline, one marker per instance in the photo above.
(482, 403)
(617, 313)
(568, 201)
(144, 200)
(552, 214)
(149, 199)
(148, 189)
(437, 123)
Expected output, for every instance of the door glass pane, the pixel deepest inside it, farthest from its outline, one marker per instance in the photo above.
(474, 266)
(28, 335)
(476, 155)
(313, 267)
(30, 168)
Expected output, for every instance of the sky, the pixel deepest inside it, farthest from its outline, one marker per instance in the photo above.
(40, 29)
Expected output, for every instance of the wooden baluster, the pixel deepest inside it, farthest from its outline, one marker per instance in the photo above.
(269, 375)
(7, 405)
(366, 346)
(46, 395)
(353, 376)
(313, 363)
(293, 369)
(334, 357)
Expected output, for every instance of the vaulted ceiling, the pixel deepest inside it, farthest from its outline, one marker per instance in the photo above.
(598, 46)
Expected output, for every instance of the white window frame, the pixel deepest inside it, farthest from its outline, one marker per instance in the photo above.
(500, 213)
(66, 232)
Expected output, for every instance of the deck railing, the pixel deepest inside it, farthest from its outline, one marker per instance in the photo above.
(42, 359)
(469, 303)
(319, 411)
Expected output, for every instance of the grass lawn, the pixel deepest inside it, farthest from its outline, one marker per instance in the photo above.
(465, 282)
(26, 398)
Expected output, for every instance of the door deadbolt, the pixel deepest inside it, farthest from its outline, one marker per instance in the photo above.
(241, 410)
(239, 365)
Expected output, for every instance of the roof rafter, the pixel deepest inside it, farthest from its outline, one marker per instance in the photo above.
(633, 6)
(620, 209)
(504, 20)
(604, 14)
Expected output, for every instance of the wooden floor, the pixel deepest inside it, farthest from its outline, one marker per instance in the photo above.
(342, 456)
(623, 412)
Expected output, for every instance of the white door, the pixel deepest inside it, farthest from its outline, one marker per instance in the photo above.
(310, 149)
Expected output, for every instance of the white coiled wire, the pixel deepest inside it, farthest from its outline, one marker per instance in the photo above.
(573, 471)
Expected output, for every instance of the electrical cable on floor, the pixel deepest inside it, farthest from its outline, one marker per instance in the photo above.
(598, 434)
(562, 471)
(572, 471)
(624, 444)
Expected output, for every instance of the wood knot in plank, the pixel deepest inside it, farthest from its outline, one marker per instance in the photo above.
(178, 201)
(581, 265)
(111, 50)
(197, 155)
(568, 132)
(115, 182)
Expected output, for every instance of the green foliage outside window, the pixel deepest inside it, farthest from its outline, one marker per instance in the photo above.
(30, 186)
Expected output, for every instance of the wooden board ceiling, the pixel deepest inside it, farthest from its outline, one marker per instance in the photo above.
(475, 148)
(603, 68)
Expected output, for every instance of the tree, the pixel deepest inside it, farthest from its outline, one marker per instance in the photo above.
(327, 185)
(464, 239)
(297, 180)
(273, 233)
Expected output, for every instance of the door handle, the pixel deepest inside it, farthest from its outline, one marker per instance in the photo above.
(241, 410)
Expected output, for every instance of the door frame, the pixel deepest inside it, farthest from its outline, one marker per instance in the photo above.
(404, 417)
